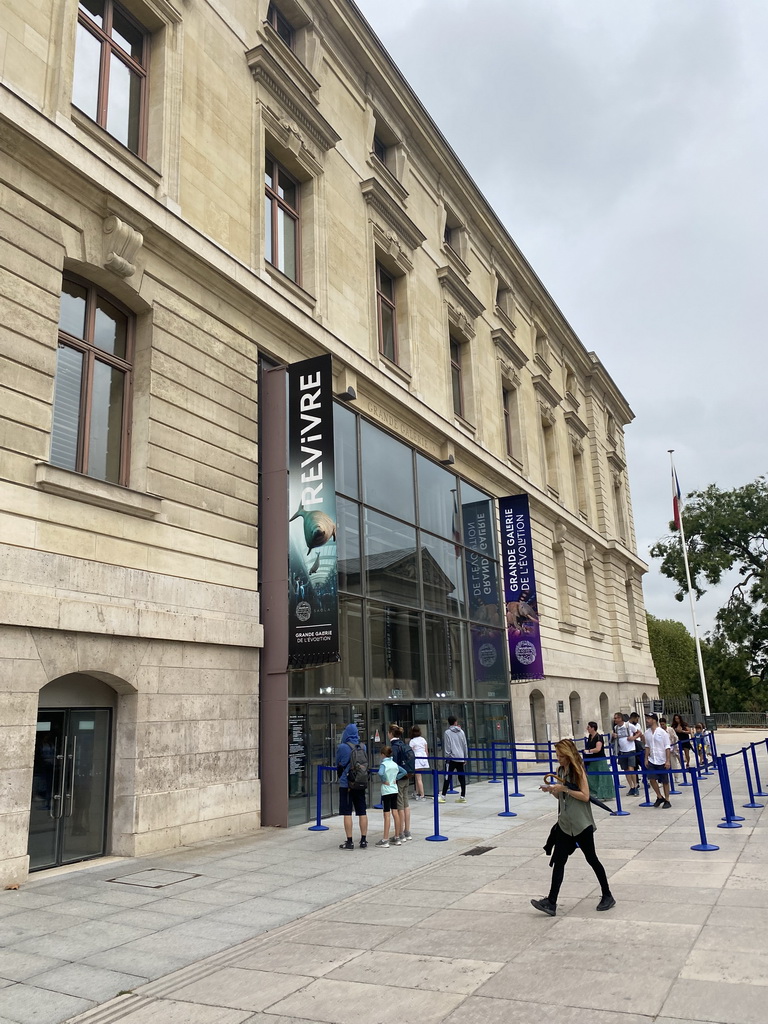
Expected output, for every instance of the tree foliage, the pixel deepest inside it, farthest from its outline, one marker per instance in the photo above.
(727, 530)
(674, 656)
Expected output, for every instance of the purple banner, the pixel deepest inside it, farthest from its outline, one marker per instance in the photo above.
(520, 588)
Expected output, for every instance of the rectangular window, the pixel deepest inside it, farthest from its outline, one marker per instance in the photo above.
(110, 73)
(387, 313)
(379, 149)
(281, 208)
(281, 25)
(457, 384)
(511, 423)
(93, 374)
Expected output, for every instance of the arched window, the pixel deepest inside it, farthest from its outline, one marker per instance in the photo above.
(91, 404)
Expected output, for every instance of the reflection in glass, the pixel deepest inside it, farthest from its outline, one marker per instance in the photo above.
(446, 655)
(106, 422)
(348, 545)
(72, 310)
(94, 9)
(85, 88)
(442, 575)
(126, 34)
(66, 407)
(286, 244)
(345, 678)
(477, 512)
(395, 652)
(391, 568)
(345, 450)
(489, 662)
(387, 472)
(110, 328)
(438, 499)
(124, 104)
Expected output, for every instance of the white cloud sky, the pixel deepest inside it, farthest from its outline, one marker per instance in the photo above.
(624, 145)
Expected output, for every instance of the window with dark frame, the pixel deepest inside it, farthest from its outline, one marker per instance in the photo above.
(510, 398)
(281, 25)
(380, 148)
(448, 236)
(281, 219)
(91, 406)
(110, 72)
(387, 313)
(457, 385)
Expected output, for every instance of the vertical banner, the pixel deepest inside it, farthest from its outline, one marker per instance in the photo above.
(313, 611)
(520, 588)
(483, 595)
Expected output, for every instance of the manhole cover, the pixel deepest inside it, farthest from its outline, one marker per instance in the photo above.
(153, 878)
(476, 851)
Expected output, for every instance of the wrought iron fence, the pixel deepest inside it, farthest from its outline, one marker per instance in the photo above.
(742, 719)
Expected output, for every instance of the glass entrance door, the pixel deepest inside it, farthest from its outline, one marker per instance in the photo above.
(68, 814)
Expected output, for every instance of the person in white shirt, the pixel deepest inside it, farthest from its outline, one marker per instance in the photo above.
(657, 754)
(625, 734)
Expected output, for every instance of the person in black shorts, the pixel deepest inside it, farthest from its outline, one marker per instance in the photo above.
(683, 733)
(350, 799)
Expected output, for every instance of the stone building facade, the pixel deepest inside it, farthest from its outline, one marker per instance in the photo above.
(192, 192)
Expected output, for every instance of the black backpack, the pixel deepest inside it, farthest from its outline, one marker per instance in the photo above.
(404, 756)
(357, 773)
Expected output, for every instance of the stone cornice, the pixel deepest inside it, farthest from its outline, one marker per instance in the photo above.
(267, 72)
(546, 391)
(507, 350)
(577, 425)
(379, 200)
(616, 462)
(452, 283)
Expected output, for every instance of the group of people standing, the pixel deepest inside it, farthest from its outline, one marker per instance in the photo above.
(399, 769)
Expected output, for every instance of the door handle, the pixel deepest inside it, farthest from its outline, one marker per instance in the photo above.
(57, 796)
(71, 792)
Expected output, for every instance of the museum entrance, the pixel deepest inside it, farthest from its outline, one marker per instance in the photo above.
(315, 731)
(68, 813)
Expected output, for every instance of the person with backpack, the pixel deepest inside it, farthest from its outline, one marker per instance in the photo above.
(403, 756)
(390, 774)
(352, 773)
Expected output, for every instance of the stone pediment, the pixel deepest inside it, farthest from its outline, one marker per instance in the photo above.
(382, 206)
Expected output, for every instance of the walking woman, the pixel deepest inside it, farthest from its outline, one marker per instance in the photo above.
(683, 733)
(575, 827)
(597, 765)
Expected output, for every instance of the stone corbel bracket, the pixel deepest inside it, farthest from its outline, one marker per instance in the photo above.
(121, 245)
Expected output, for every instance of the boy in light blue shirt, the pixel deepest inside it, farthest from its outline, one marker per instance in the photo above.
(389, 773)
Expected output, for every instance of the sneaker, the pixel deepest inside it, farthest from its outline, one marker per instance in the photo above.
(441, 799)
(383, 844)
(461, 800)
(659, 802)
(606, 902)
(666, 804)
(406, 837)
(550, 909)
(363, 843)
(397, 841)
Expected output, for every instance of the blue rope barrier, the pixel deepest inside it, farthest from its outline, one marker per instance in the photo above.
(506, 813)
(436, 837)
(318, 826)
(751, 792)
(758, 783)
(703, 846)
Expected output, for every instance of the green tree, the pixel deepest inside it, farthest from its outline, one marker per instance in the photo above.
(727, 530)
(674, 656)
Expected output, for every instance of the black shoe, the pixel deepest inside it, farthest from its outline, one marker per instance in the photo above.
(659, 802)
(550, 909)
(363, 843)
(349, 845)
(666, 804)
(606, 902)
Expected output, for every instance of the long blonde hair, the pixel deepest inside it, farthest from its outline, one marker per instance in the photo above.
(575, 767)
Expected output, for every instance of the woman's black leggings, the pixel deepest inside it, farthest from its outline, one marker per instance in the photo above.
(564, 847)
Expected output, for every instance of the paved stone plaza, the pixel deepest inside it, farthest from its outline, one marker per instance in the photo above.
(282, 926)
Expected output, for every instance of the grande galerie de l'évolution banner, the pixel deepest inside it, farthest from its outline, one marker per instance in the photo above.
(523, 631)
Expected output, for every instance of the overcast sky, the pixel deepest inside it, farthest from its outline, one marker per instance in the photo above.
(623, 144)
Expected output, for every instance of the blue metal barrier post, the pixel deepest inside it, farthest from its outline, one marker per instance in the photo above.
(758, 783)
(436, 837)
(318, 826)
(494, 777)
(749, 782)
(729, 821)
(703, 845)
(506, 813)
(515, 772)
(618, 813)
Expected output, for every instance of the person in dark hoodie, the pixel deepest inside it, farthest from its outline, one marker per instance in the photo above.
(350, 799)
(456, 754)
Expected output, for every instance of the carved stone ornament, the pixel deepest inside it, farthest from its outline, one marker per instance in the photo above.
(547, 412)
(560, 533)
(589, 552)
(121, 244)
(577, 443)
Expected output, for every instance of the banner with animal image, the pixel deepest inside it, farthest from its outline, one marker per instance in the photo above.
(488, 659)
(517, 568)
(312, 568)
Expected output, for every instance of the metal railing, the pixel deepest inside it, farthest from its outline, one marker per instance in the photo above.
(741, 719)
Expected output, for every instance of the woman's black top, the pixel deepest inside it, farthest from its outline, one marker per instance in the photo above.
(590, 753)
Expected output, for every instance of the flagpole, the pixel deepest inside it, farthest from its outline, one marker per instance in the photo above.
(690, 590)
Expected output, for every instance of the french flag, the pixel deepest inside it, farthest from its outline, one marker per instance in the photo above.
(676, 499)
